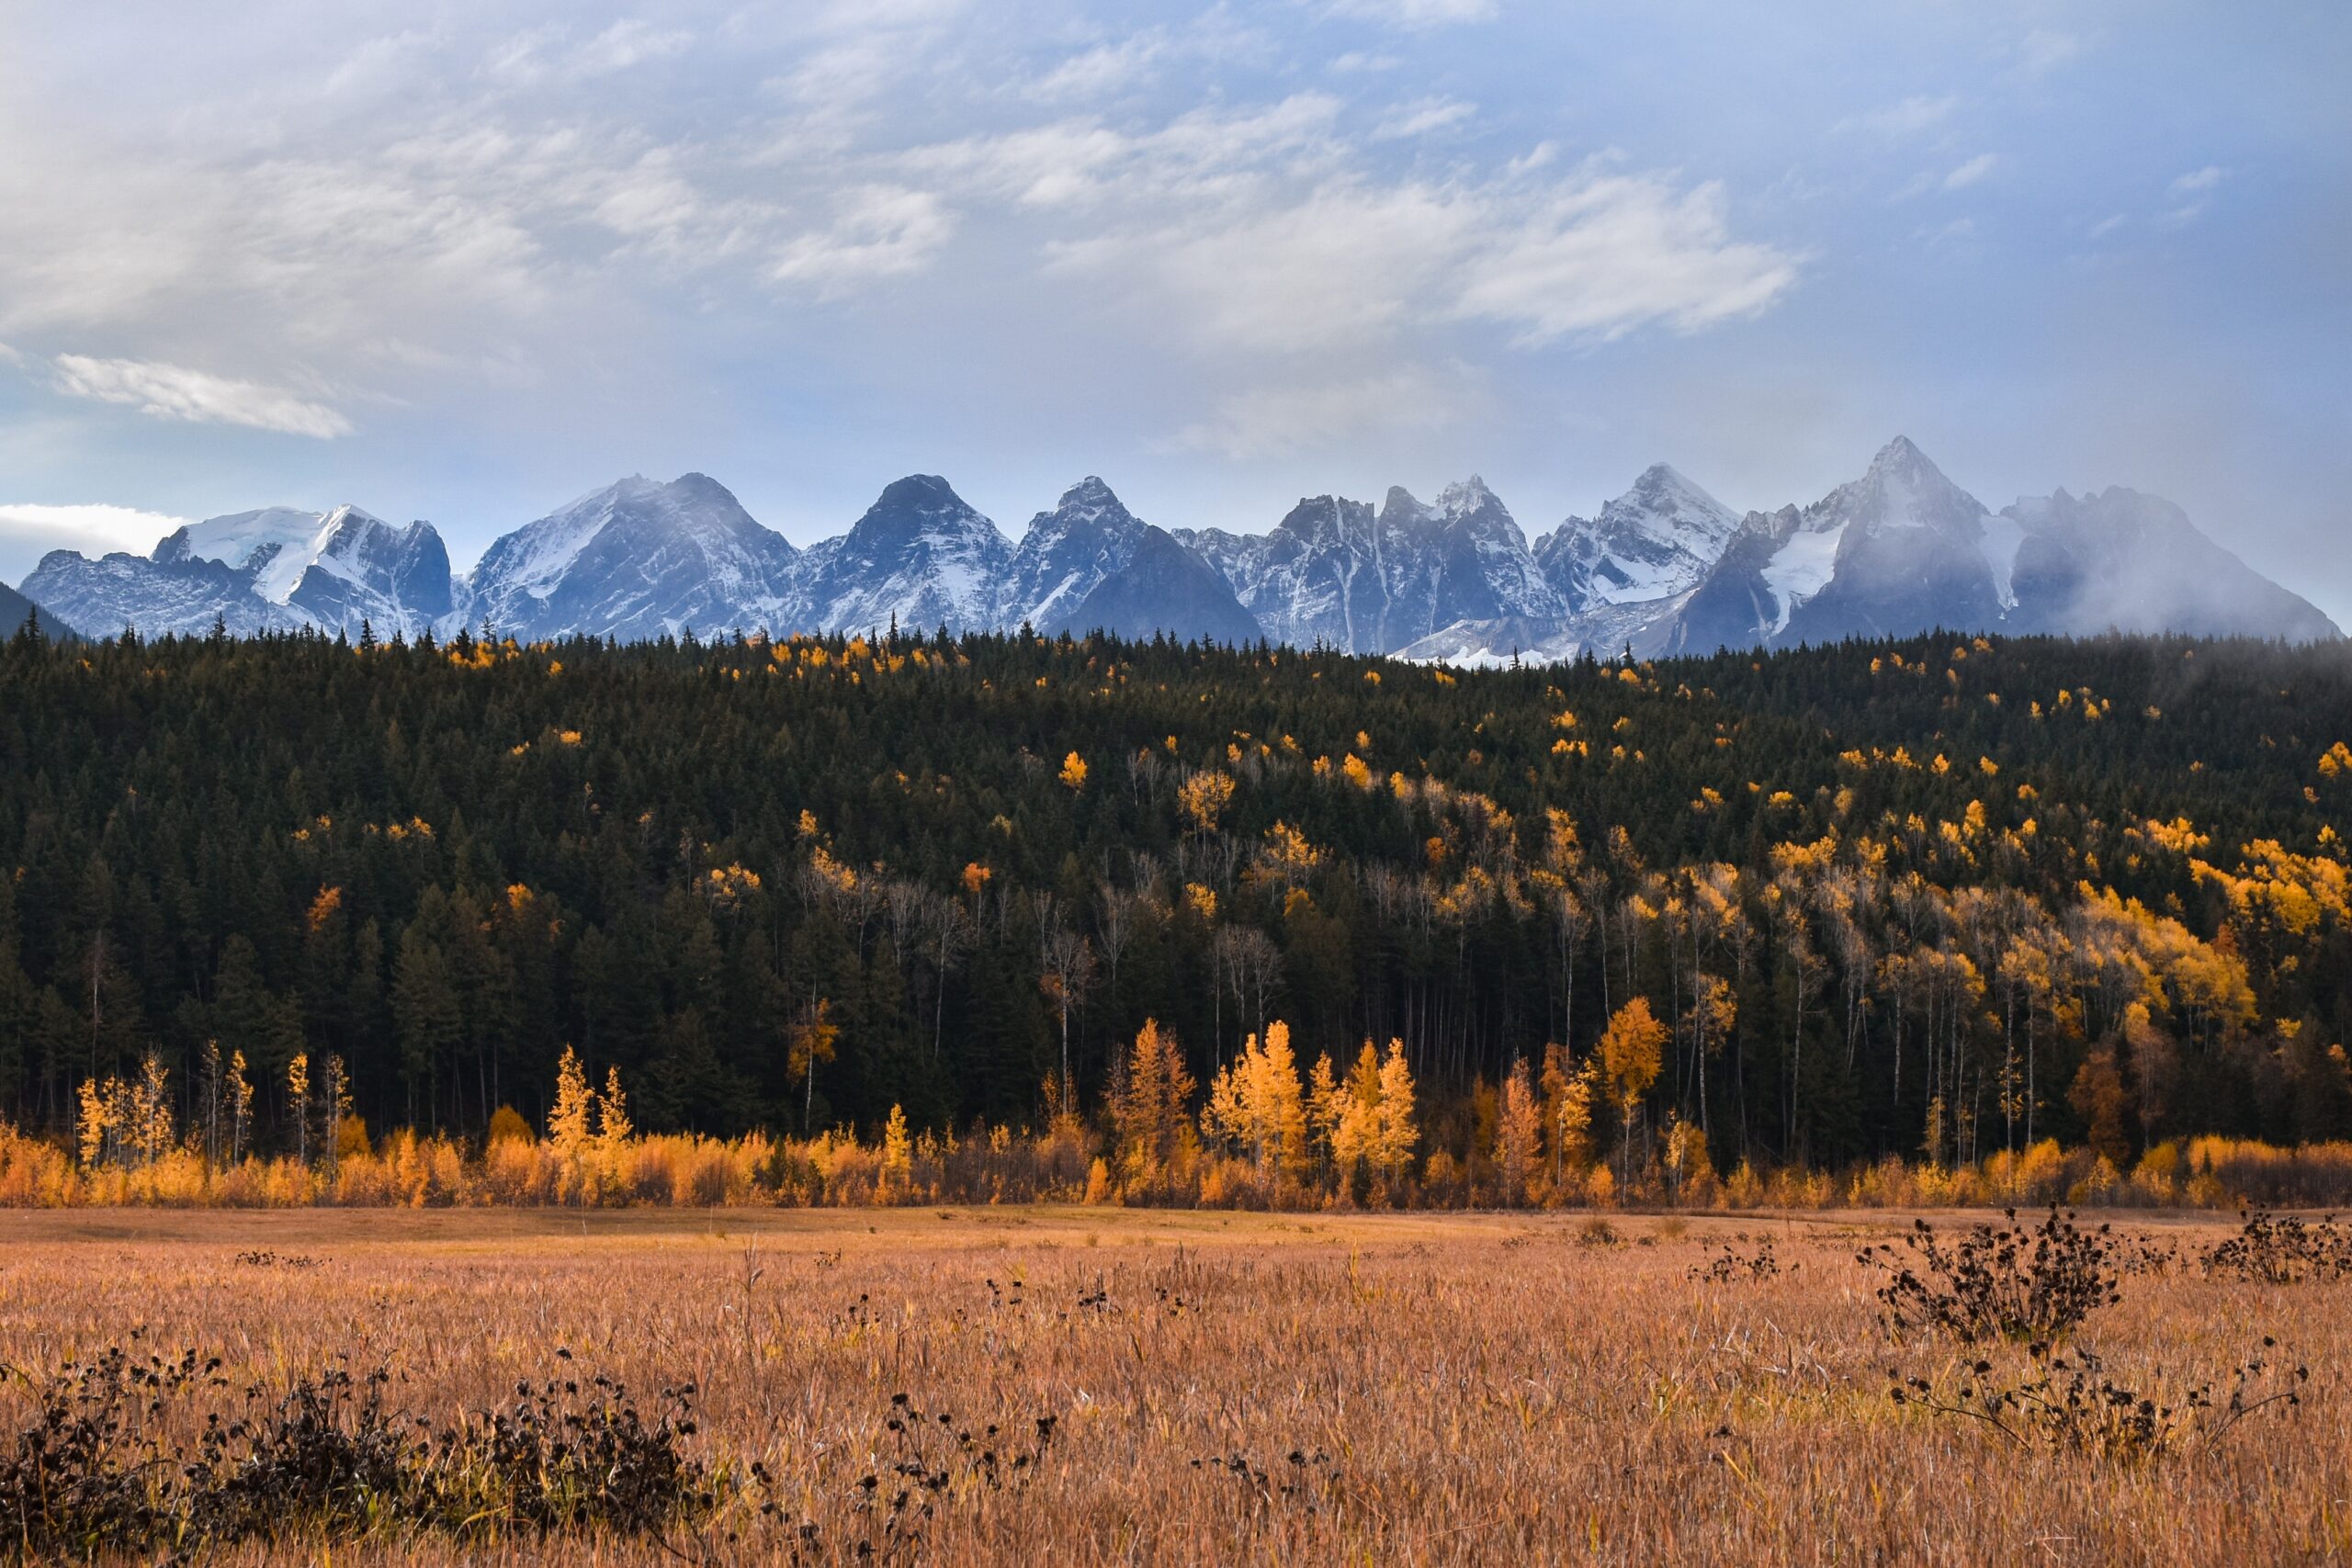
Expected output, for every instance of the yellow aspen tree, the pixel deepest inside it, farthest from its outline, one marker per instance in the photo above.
(898, 1154)
(1632, 1054)
(575, 1104)
(297, 1100)
(1204, 798)
(1073, 773)
(1278, 1108)
(1518, 1135)
(1149, 1103)
(810, 1044)
(1224, 1118)
(94, 1121)
(343, 1127)
(151, 1119)
(1326, 1108)
(1398, 1133)
(1552, 1085)
(1355, 1139)
(241, 1105)
(613, 1128)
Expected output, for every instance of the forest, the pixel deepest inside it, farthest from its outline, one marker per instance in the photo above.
(1931, 899)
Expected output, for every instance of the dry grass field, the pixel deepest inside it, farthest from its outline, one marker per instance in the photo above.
(1222, 1387)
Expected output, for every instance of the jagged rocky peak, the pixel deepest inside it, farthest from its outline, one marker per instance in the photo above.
(917, 495)
(1401, 507)
(1664, 499)
(1903, 488)
(1090, 500)
(921, 555)
(1464, 497)
(638, 558)
(923, 509)
(277, 568)
(1066, 554)
(1653, 542)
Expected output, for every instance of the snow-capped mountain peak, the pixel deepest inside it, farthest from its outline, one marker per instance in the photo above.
(920, 557)
(1901, 490)
(1090, 500)
(1066, 553)
(1465, 498)
(1653, 542)
(1661, 568)
(277, 543)
(638, 558)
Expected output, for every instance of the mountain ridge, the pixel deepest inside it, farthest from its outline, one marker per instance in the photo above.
(1662, 567)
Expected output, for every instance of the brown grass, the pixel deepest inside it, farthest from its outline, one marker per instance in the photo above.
(1486, 1389)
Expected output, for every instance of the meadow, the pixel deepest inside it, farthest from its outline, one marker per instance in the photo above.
(1020, 1385)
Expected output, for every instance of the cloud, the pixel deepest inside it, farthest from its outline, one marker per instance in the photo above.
(175, 391)
(1356, 60)
(1414, 14)
(881, 232)
(1972, 171)
(29, 531)
(2190, 195)
(2045, 49)
(1908, 118)
(1422, 119)
(625, 44)
(1267, 268)
(1103, 70)
(1314, 272)
(10, 357)
(546, 53)
(1262, 421)
(1204, 154)
(1603, 256)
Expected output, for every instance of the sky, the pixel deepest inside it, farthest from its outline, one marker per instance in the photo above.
(465, 262)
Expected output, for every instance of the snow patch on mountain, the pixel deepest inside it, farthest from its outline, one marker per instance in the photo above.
(1802, 568)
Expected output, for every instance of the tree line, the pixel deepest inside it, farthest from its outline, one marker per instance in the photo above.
(1931, 898)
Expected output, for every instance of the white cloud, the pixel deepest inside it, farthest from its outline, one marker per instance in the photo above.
(1422, 119)
(2045, 49)
(1603, 256)
(175, 391)
(1262, 421)
(1267, 268)
(92, 526)
(509, 226)
(1414, 14)
(2190, 195)
(546, 53)
(1076, 162)
(881, 232)
(10, 357)
(1972, 171)
(628, 42)
(1908, 118)
(1103, 70)
(2105, 226)
(1321, 271)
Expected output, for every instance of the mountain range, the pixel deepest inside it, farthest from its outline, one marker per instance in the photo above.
(1663, 569)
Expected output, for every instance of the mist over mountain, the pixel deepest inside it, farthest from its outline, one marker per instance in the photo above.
(1663, 568)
